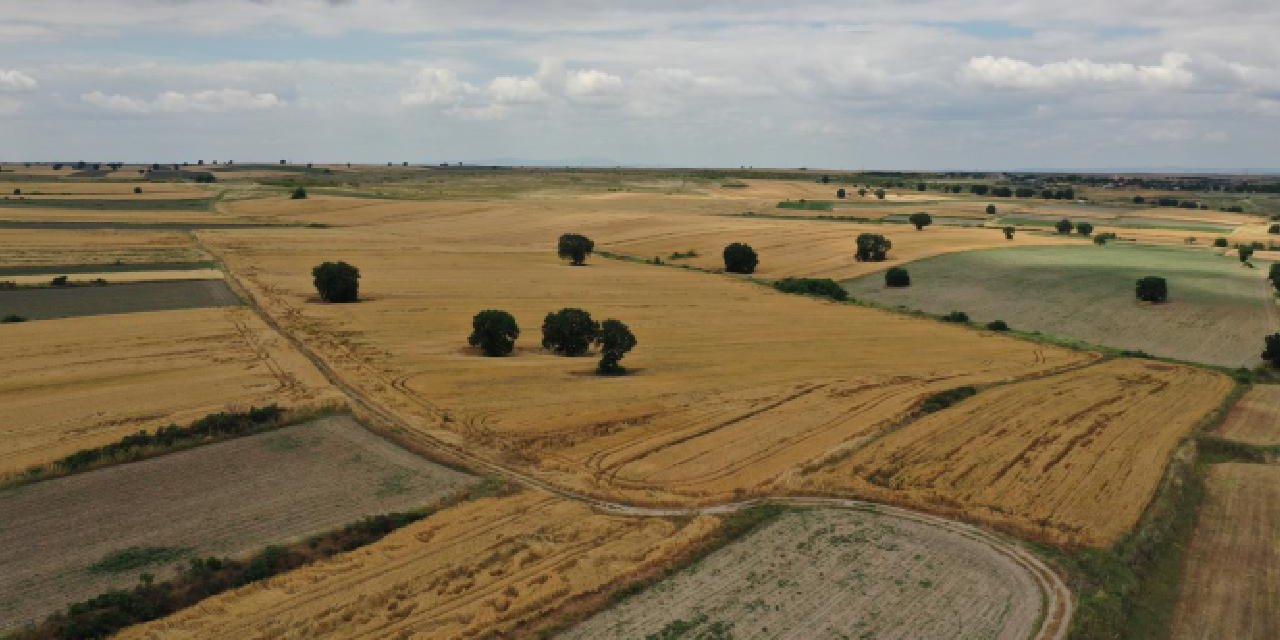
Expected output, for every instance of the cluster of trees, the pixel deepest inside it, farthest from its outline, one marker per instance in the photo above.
(1022, 192)
(1065, 226)
(819, 287)
(1152, 289)
(872, 247)
(567, 332)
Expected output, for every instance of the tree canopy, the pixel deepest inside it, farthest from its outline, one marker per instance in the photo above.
(872, 247)
(494, 331)
(740, 258)
(920, 220)
(575, 248)
(615, 340)
(1152, 289)
(569, 332)
(897, 277)
(336, 281)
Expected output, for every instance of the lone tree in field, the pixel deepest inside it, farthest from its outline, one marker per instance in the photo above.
(1244, 252)
(494, 331)
(336, 281)
(740, 258)
(872, 247)
(1008, 232)
(1272, 351)
(298, 194)
(569, 332)
(1084, 228)
(840, 193)
(1274, 275)
(1275, 228)
(880, 194)
(575, 248)
(1152, 289)
(991, 209)
(1220, 242)
(1064, 226)
(920, 220)
(615, 341)
(862, 193)
(897, 277)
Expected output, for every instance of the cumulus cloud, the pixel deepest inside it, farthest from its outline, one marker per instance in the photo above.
(513, 90)
(435, 86)
(14, 80)
(592, 85)
(1010, 73)
(210, 101)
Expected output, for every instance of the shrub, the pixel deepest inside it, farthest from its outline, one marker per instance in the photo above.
(137, 189)
(897, 277)
(1139, 200)
(1152, 289)
(1244, 252)
(991, 209)
(956, 316)
(12, 317)
(17, 192)
(1220, 242)
(1008, 232)
(615, 341)
(1084, 228)
(569, 332)
(740, 258)
(840, 193)
(59, 281)
(944, 399)
(575, 248)
(679, 255)
(494, 331)
(880, 194)
(998, 325)
(1100, 240)
(336, 281)
(1274, 275)
(298, 194)
(821, 287)
(862, 193)
(1064, 226)
(1275, 228)
(872, 247)
(920, 220)
(1272, 351)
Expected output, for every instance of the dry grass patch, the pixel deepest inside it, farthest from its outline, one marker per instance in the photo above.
(500, 566)
(40, 247)
(1071, 459)
(82, 382)
(1255, 419)
(1231, 584)
(68, 539)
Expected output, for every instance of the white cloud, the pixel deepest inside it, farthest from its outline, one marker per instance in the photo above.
(435, 86)
(210, 101)
(1009, 73)
(592, 85)
(14, 80)
(513, 90)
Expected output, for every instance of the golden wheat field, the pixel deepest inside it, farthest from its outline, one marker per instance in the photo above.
(1071, 458)
(504, 567)
(41, 247)
(83, 382)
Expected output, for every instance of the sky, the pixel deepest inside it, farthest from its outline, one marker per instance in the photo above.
(906, 84)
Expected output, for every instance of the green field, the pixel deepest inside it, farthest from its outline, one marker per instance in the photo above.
(1217, 313)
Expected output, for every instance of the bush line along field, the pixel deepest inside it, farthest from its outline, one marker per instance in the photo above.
(223, 499)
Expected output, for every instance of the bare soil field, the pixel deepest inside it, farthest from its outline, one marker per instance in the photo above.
(1071, 459)
(1231, 580)
(833, 573)
(82, 382)
(1256, 417)
(496, 566)
(38, 247)
(697, 419)
(1217, 311)
(227, 499)
(72, 301)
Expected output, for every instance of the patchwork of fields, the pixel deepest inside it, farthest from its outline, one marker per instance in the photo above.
(224, 499)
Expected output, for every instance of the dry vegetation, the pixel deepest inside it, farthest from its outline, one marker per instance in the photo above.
(38, 247)
(1231, 587)
(121, 277)
(82, 382)
(1255, 419)
(1070, 459)
(225, 499)
(836, 574)
(496, 566)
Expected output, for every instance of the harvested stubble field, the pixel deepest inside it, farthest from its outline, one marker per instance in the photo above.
(1217, 310)
(1071, 459)
(820, 574)
(75, 189)
(82, 382)
(40, 247)
(182, 291)
(697, 419)
(503, 567)
(227, 499)
(1231, 583)
(1255, 419)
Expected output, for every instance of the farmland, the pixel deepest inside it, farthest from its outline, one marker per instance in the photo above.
(493, 566)
(191, 290)
(1232, 584)
(224, 499)
(81, 382)
(36, 248)
(835, 574)
(1071, 459)
(1216, 311)
(1255, 419)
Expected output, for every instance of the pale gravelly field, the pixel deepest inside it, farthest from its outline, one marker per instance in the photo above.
(82, 382)
(1231, 584)
(831, 574)
(227, 499)
(500, 567)
(1255, 419)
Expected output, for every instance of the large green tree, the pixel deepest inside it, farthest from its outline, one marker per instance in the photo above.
(872, 247)
(740, 258)
(920, 219)
(494, 331)
(575, 248)
(1152, 289)
(336, 281)
(569, 332)
(615, 340)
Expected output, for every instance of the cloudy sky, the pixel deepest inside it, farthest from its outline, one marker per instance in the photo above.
(911, 84)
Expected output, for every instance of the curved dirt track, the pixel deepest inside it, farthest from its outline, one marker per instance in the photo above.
(1054, 595)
